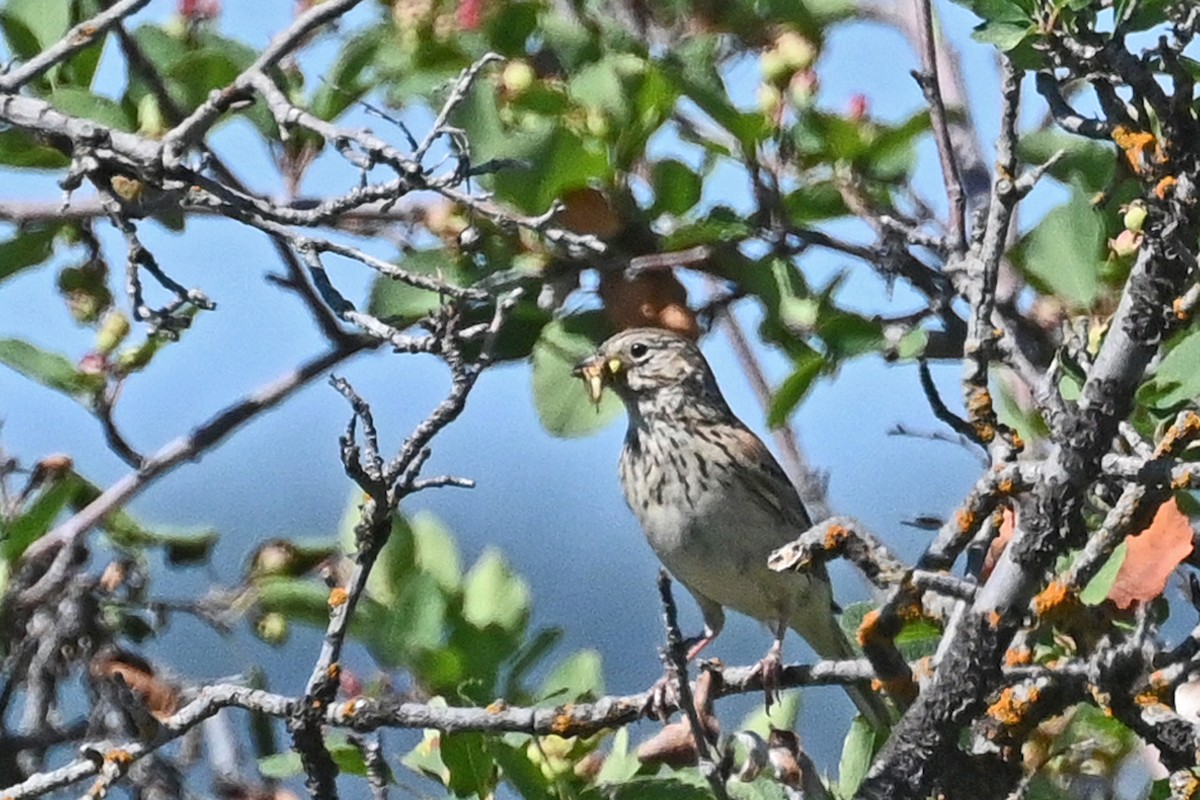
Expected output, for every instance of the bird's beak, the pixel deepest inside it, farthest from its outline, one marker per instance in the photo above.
(596, 373)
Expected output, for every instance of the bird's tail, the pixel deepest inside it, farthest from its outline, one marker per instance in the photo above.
(825, 636)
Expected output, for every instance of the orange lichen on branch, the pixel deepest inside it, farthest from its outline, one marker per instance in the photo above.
(1149, 699)
(564, 721)
(835, 537)
(333, 671)
(868, 629)
(1012, 706)
(995, 619)
(338, 597)
(1179, 435)
(1018, 657)
(1140, 148)
(1181, 310)
(120, 757)
(964, 518)
(496, 706)
(982, 415)
(1056, 602)
(1165, 187)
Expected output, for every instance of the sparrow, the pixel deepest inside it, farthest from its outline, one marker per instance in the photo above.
(712, 500)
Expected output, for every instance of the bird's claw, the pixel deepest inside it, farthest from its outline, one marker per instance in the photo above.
(770, 671)
(662, 699)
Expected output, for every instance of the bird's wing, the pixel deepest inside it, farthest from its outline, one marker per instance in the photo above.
(767, 481)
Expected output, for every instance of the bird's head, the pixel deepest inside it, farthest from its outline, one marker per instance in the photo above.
(643, 363)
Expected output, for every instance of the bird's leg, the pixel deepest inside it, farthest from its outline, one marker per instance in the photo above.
(663, 694)
(695, 644)
(770, 668)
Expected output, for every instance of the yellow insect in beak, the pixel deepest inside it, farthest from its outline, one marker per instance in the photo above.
(595, 374)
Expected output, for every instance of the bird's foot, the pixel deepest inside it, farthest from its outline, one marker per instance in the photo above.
(662, 699)
(770, 671)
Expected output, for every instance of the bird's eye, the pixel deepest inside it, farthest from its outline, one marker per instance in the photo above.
(638, 349)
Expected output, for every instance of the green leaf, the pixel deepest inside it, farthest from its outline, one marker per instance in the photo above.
(918, 639)
(412, 627)
(436, 552)
(19, 149)
(580, 676)
(794, 388)
(1062, 255)
(660, 789)
(28, 247)
(81, 103)
(847, 335)
(280, 766)
(561, 400)
(1176, 380)
(620, 765)
(1084, 163)
(857, 752)
(494, 595)
(815, 202)
(38, 516)
(30, 26)
(403, 303)
(528, 657)
(472, 768)
(520, 772)
(49, 369)
(676, 187)
(1096, 592)
(426, 759)
(350, 77)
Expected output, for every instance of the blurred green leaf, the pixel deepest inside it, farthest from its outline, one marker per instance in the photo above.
(580, 676)
(436, 552)
(494, 595)
(30, 26)
(472, 770)
(19, 149)
(413, 624)
(918, 639)
(1176, 380)
(621, 764)
(794, 388)
(82, 103)
(426, 759)
(1096, 592)
(815, 202)
(280, 766)
(521, 773)
(49, 369)
(1062, 255)
(1084, 163)
(673, 788)
(350, 77)
(676, 187)
(528, 657)
(858, 750)
(38, 516)
(562, 401)
(403, 303)
(29, 246)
